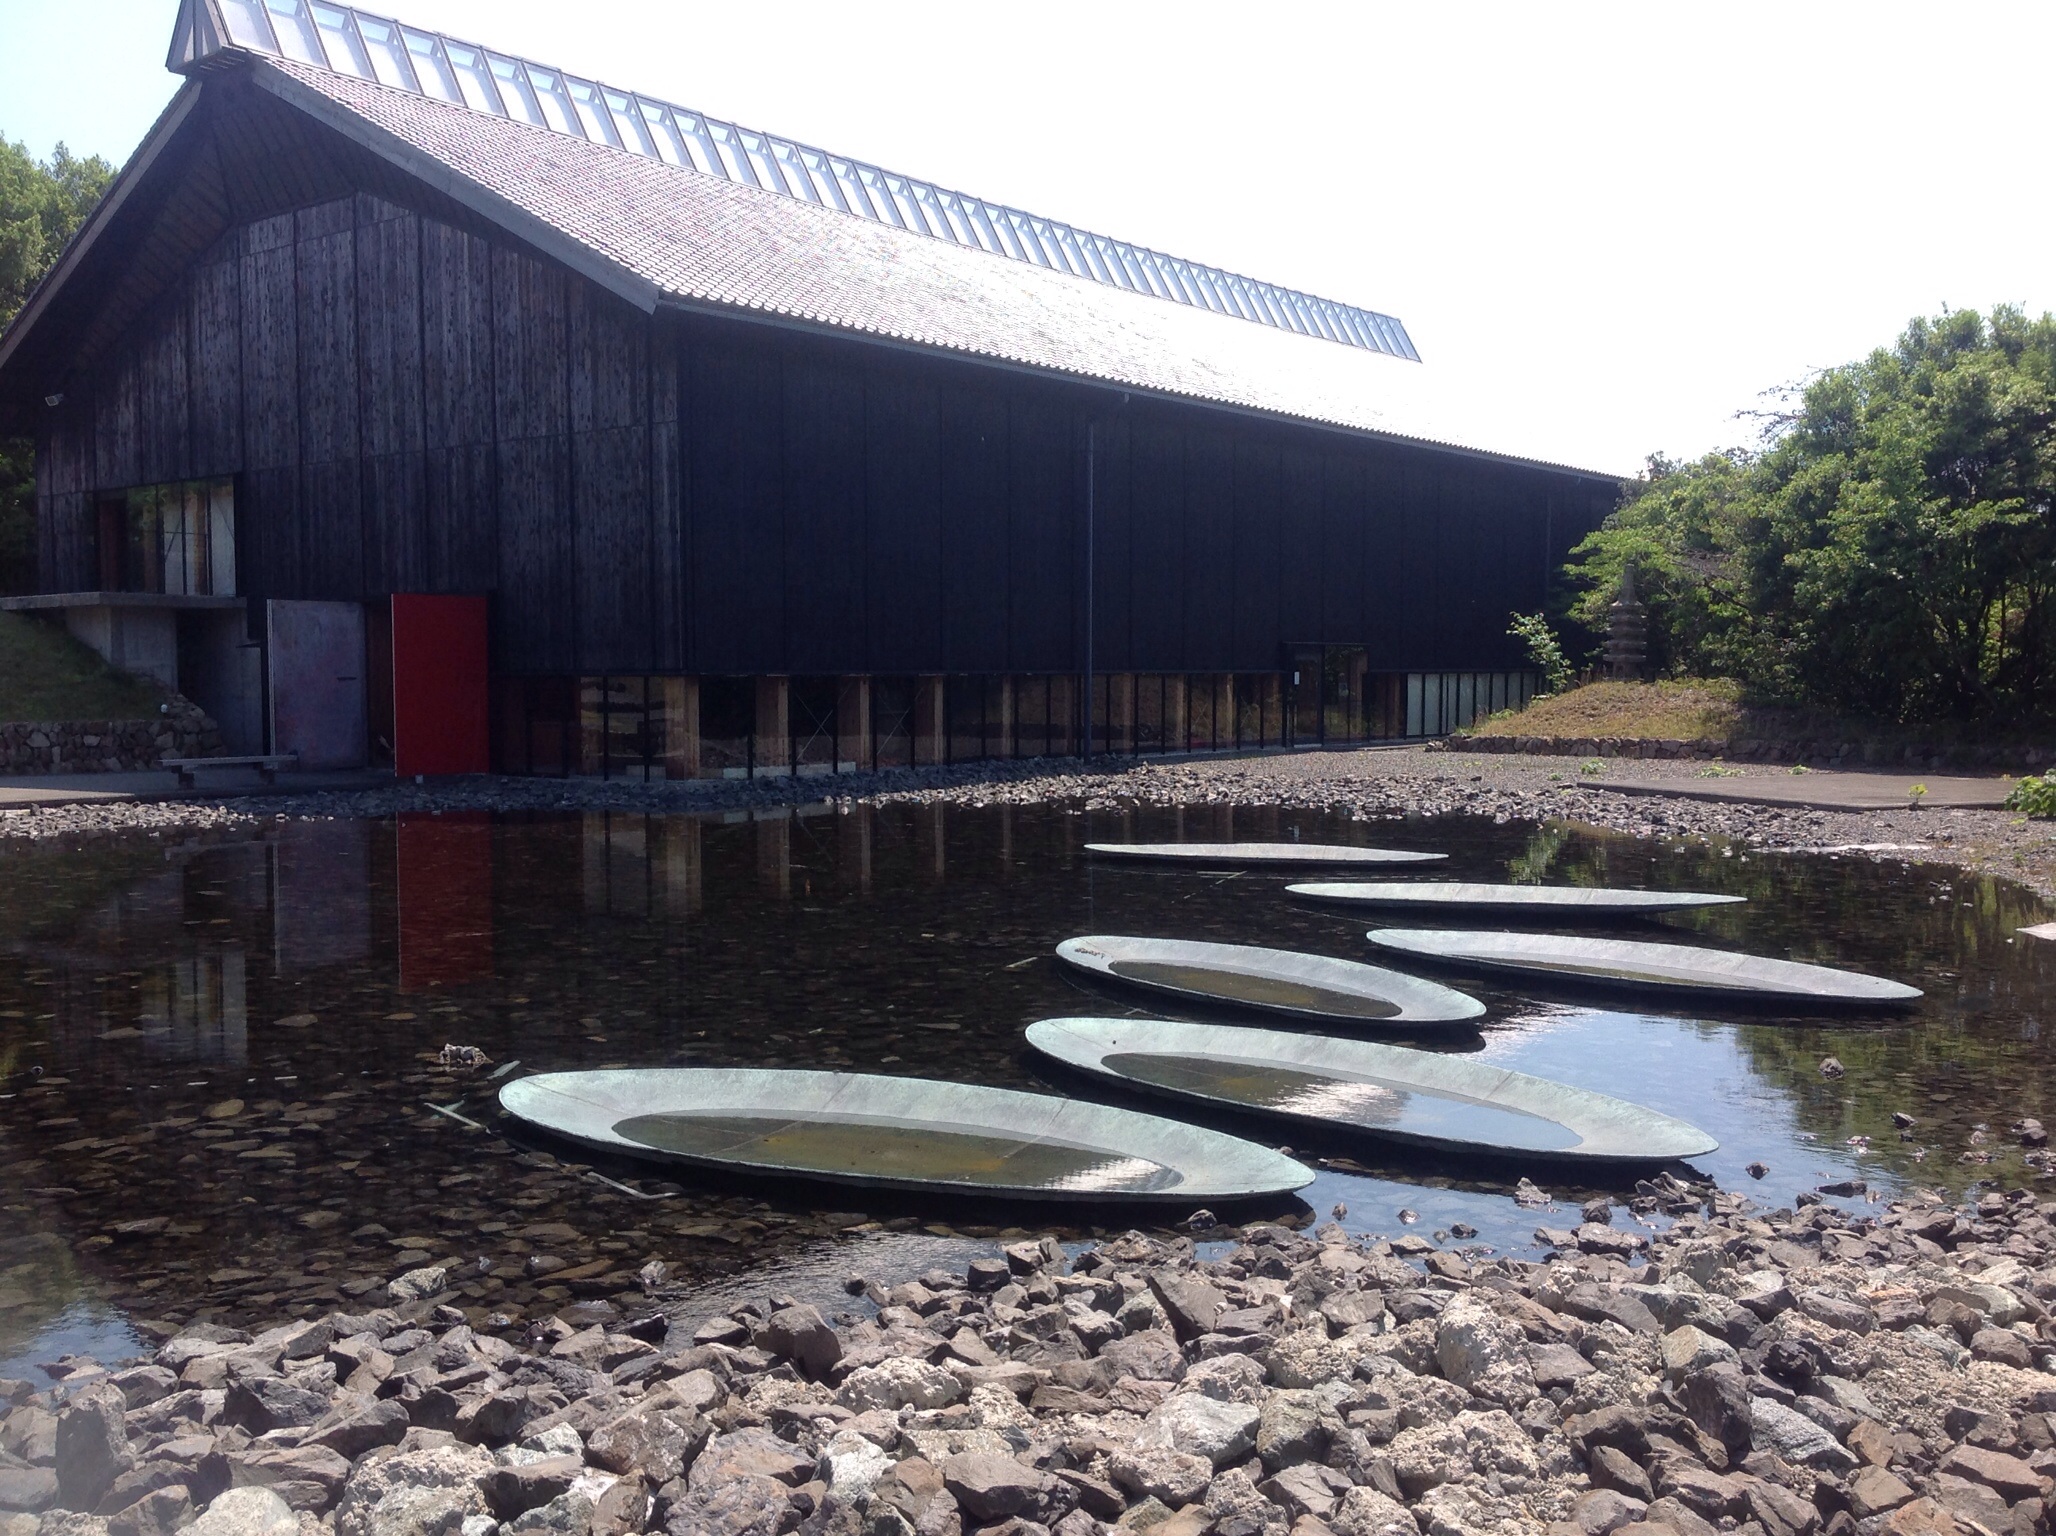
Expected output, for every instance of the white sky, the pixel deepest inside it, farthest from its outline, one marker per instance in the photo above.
(1607, 227)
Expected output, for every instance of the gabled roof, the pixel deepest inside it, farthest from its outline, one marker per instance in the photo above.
(366, 47)
(666, 236)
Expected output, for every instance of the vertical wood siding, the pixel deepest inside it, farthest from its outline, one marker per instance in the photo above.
(414, 406)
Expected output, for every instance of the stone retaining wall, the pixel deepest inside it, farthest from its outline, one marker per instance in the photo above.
(108, 746)
(1838, 753)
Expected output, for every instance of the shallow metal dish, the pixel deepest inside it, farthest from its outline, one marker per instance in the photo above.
(1316, 988)
(898, 1133)
(1258, 854)
(1482, 896)
(1425, 1098)
(1647, 967)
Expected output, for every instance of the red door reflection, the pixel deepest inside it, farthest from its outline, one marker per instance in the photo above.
(446, 899)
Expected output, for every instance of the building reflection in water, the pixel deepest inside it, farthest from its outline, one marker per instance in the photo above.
(443, 883)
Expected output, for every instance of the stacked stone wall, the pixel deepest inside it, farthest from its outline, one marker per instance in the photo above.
(108, 746)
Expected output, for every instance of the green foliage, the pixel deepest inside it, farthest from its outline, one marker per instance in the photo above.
(1533, 631)
(41, 204)
(2034, 797)
(1889, 550)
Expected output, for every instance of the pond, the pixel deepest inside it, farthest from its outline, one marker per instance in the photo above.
(222, 1093)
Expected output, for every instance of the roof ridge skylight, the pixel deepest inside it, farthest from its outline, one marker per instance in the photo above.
(368, 47)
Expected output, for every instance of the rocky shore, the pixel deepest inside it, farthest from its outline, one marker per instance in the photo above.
(1379, 783)
(1858, 1369)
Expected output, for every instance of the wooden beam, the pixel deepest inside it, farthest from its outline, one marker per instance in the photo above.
(681, 727)
(773, 732)
(853, 723)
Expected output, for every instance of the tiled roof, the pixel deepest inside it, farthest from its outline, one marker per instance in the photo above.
(673, 234)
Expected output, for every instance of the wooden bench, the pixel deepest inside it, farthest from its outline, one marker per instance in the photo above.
(266, 764)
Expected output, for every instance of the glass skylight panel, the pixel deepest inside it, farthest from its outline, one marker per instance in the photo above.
(628, 123)
(333, 36)
(794, 169)
(555, 102)
(246, 25)
(388, 54)
(595, 122)
(515, 92)
(294, 29)
(474, 79)
(345, 54)
(664, 132)
(431, 69)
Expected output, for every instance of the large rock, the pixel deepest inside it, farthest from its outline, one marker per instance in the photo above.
(92, 1445)
(1367, 1512)
(1221, 1431)
(427, 1492)
(802, 1335)
(989, 1488)
(749, 1453)
(515, 1490)
(1172, 1477)
(246, 1512)
(657, 1446)
(1150, 1355)
(2008, 1476)
(741, 1506)
(159, 1512)
(898, 1383)
(305, 1476)
(1484, 1353)
(1796, 1438)
(272, 1402)
(1295, 1425)
(29, 1489)
(1689, 1350)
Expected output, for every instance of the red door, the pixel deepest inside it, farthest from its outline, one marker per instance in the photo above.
(439, 685)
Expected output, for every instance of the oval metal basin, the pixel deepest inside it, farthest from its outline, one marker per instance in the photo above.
(1316, 988)
(898, 1133)
(1649, 967)
(1452, 1103)
(1571, 901)
(1286, 855)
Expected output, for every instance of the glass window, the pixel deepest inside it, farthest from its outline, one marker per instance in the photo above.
(345, 54)
(794, 170)
(388, 55)
(762, 164)
(826, 187)
(698, 144)
(729, 156)
(886, 210)
(515, 92)
(474, 80)
(295, 31)
(628, 124)
(556, 105)
(670, 144)
(430, 67)
(178, 539)
(595, 122)
(246, 25)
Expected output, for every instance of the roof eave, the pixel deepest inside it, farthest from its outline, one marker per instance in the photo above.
(678, 304)
(89, 233)
(459, 188)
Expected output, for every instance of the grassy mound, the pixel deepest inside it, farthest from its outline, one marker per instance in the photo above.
(1692, 710)
(47, 675)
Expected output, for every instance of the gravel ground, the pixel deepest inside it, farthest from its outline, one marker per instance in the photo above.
(1876, 1371)
(1370, 783)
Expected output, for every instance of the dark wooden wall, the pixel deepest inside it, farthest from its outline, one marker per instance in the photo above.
(412, 403)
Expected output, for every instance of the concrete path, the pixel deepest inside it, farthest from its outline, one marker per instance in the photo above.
(1824, 791)
(32, 789)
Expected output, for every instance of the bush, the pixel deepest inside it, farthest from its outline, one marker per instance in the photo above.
(2034, 797)
(1544, 650)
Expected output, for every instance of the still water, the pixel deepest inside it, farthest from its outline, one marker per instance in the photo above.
(218, 1055)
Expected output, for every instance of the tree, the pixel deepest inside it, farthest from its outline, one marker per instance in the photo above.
(42, 203)
(1889, 549)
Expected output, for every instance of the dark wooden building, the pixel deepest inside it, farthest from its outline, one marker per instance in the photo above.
(749, 476)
